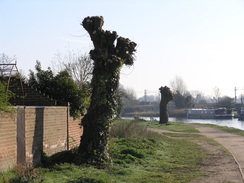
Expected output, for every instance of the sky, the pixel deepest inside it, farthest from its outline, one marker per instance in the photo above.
(200, 41)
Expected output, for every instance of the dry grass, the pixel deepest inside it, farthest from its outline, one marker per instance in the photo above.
(130, 129)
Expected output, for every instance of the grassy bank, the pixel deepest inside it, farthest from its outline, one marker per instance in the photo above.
(227, 129)
(172, 126)
(137, 155)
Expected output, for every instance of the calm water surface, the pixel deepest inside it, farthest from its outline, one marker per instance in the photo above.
(235, 123)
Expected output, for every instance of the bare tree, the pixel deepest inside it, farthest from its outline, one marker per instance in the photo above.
(129, 97)
(4, 60)
(216, 94)
(77, 64)
(178, 85)
(182, 98)
(199, 97)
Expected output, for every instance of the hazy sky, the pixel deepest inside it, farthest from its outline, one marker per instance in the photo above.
(201, 41)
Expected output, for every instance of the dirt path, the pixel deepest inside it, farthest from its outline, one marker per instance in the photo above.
(233, 143)
(220, 167)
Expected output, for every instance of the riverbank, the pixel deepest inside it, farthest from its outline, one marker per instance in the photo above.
(221, 164)
(175, 152)
(232, 123)
(138, 155)
(147, 112)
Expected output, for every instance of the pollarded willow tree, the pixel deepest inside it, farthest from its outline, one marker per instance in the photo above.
(108, 59)
(166, 97)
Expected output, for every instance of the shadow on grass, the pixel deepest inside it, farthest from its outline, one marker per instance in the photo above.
(86, 180)
(59, 158)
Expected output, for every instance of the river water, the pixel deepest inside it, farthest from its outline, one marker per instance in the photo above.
(235, 123)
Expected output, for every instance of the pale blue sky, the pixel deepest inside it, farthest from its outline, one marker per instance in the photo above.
(201, 41)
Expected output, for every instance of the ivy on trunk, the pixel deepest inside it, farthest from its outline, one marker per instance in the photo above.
(108, 59)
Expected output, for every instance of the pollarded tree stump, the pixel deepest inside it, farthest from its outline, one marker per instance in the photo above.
(166, 97)
(108, 60)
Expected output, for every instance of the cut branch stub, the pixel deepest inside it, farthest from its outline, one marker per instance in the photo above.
(93, 23)
(125, 49)
(104, 42)
(166, 93)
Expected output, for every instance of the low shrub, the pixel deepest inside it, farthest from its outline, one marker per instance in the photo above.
(130, 129)
(26, 174)
(133, 152)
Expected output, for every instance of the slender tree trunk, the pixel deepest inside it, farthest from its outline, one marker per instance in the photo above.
(166, 96)
(108, 60)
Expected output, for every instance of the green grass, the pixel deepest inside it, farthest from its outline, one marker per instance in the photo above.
(183, 135)
(137, 155)
(172, 126)
(227, 129)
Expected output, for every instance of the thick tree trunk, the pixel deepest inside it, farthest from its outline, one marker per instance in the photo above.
(108, 60)
(166, 96)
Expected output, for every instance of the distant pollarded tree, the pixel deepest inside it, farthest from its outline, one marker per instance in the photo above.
(166, 97)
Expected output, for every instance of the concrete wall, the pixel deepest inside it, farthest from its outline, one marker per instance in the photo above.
(33, 130)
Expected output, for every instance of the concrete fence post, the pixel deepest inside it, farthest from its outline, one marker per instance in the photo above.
(21, 145)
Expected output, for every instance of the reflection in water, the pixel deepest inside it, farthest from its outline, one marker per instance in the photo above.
(235, 123)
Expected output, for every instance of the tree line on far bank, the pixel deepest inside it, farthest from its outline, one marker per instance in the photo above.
(182, 99)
